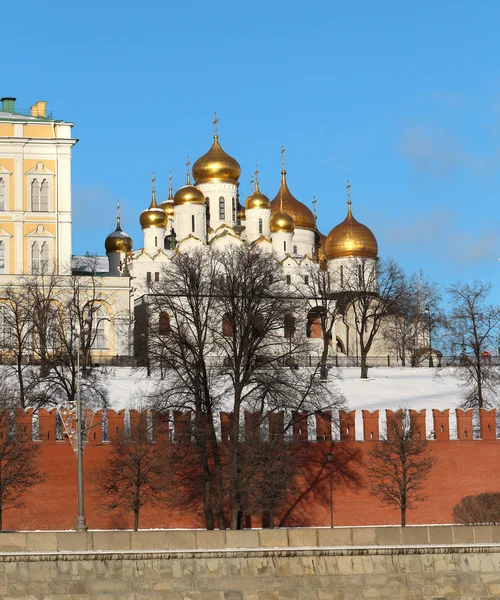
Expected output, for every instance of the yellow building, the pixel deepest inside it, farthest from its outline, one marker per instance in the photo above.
(35, 190)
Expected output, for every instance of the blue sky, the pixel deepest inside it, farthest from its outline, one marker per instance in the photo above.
(402, 98)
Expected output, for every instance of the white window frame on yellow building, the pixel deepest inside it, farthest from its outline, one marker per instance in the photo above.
(5, 239)
(40, 174)
(5, 175)
(41, 236)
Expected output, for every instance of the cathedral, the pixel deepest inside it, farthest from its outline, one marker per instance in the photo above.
(207, 212)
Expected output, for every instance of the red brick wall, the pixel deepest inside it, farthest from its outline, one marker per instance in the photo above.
(465, 466)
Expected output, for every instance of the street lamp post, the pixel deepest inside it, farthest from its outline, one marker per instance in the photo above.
(81, 523)
(427, 312)
(330, 463)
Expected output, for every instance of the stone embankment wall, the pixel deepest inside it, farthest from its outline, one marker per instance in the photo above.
(295, 564)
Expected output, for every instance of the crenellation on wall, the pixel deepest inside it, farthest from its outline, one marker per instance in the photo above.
(113, 425)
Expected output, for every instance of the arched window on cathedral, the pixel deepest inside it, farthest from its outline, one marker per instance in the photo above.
(2, 194)
(227, 326)
(207, 212)
(284, 246)
(192, 224)
(35, 195)
(289, 326)
(222, 208)
(289, 279)
(260, 226)
(44, 196)
(2, 257)
(164, 323)
(295, 250)
(234, 209)
(259, 323)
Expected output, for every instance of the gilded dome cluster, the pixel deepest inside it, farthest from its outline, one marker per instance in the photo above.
(216, 165)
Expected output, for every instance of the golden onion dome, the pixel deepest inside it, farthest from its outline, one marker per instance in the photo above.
(154, 216)
(257, 199)
(303, 216)
(351, 238)
(188, 194)
(281, 222)
(216, 165)
(241, 212)
(118, 241)
(168, 205)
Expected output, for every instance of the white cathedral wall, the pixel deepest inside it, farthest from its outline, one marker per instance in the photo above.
(282, 243)
(252, 217)
(344, 272)
(184, 223)
(153, 239)
(304, 241)
(214, 190)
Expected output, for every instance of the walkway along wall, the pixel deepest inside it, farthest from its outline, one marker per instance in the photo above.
(464, 466)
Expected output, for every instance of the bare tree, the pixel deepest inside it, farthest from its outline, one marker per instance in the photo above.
(482, 509)
(474, 332)
(370, 291)
(136, 474)
(18, 457)
(254, 305)
(399, 464)
(183, 309)
(320, 290)
(406, 330)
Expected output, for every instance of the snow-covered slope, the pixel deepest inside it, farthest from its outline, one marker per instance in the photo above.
(386, 388)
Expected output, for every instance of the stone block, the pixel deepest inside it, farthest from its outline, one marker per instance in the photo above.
(210, 539)
(41, 541)
(363, 536)
(273, 538)
(388, 536)
(12, 542)
(242, 539)
(182, 540)
(148, 540)
(74, 541)
(414, 536)
(302, 537)
(495, 534)
(341, 536)
(110, 540)
(441, 534)
(463, 534)
(482, 534)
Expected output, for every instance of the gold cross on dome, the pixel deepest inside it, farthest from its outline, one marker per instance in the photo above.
(170, 179)
(282, 158)
(251, 183)
(214, 122)
(348, 186)
(153, 181)
(257, 173)
(188, 163)
(314, 204)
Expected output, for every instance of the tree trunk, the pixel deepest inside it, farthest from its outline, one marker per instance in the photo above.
(219, 506)
(21, 382)
(234, 499)
(201, 444)
(324, 358)
(271, 518)
(364, 374)
(136, 519)
(403, 516)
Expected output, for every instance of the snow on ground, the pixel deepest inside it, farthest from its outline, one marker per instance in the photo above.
(386, 388)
